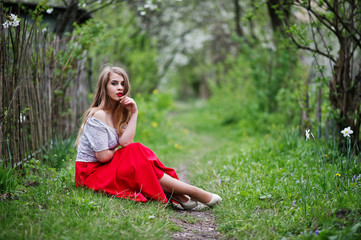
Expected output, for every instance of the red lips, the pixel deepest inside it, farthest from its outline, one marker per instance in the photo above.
(119, 94)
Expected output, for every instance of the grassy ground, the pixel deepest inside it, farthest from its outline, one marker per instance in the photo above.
(46, 205)
(277, 185)
(274, 186)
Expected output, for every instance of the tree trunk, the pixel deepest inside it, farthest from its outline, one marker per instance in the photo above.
(237, 18)
(279, 12)
(305, 107)
(66, 19)
(319, 111)
(345, 92)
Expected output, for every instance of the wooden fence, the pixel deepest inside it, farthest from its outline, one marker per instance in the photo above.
(43, 89)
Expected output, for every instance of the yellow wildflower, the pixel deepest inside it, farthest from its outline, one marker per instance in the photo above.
(155, 91)
(177, 146)
(154, 124)
(185, 131)
(338, 175)
(326, 155)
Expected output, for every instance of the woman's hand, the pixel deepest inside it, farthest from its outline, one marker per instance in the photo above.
(128, 135)
(130, 104)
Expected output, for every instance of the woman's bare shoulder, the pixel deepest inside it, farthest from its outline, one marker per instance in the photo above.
(100, 115)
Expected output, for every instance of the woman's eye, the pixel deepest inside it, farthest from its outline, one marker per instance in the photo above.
(122, 83)
(114, 83)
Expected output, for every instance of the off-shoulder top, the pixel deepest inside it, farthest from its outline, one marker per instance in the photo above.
(97, 136)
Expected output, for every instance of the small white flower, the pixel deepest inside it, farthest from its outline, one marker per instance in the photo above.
(44, 30)
(13, 21)
(49, 10)
(13, 17)
(149, 4)
(6, 24)
(22, 118)
(142, 13)
(308, 134)
(347, 132)
(83, 5)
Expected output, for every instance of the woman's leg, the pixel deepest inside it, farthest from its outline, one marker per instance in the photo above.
(179, 188)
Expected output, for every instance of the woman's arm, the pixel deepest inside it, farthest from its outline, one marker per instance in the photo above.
(105, 155)
(128, 135)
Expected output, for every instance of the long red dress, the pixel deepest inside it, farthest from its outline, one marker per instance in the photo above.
(133, 173)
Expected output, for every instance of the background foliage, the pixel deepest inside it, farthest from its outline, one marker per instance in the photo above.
(248, 91)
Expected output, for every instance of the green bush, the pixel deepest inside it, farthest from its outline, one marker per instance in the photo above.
(8, 179)
(152, 117)
(59, 152)
(122, 42)
(255, 90)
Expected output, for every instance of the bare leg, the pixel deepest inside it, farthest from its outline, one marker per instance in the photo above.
(179, 188)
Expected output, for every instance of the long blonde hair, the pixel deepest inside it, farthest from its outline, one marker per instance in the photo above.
(102, 101)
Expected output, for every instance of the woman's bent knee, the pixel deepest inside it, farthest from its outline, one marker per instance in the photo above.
(132, 145)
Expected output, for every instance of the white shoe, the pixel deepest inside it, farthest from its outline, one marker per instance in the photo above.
(190, 204)
(214, 201)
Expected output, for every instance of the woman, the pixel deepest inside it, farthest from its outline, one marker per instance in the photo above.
(133, 171)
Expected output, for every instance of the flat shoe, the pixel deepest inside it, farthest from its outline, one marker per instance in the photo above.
(190, 204)
(214, 201)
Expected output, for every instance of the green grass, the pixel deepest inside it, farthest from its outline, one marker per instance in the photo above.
(272, 185)
(56, 209)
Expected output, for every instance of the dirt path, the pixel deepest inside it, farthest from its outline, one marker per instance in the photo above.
(198, 223)
(195, 224)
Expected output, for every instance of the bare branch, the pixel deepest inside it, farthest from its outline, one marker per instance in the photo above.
(237, 18)
(352, 52)
(325, 21)
(322, 39)
(311, 49)
(65, 3)
(99, 8)
(353, 32)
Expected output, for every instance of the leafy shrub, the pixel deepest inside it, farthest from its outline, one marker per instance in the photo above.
(152, 117)
(122, 42)
(8, 179)
(59, 152)
(255, 93)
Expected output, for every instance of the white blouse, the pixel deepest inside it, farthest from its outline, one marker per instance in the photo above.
(97, 136)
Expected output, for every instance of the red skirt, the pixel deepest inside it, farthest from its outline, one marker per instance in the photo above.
(133, 173)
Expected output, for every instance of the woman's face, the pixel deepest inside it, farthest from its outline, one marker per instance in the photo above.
(115, 86)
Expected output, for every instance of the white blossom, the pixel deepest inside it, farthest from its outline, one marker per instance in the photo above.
(13, 18)
(22, 118)
(347, 132)
(308, 134)
(13, 21)
(49, 10)
(6, 24)
(149, 4)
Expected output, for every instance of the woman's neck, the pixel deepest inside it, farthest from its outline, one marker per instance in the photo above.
(112, 107)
